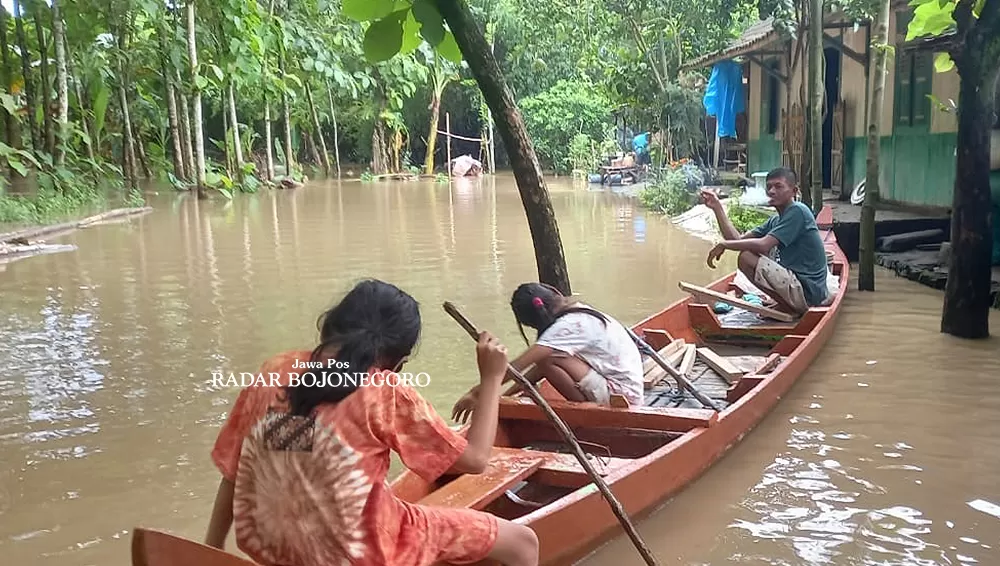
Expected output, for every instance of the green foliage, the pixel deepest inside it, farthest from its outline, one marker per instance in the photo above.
(555, 116)
(398, 26)
(668, 193)
(744, 217)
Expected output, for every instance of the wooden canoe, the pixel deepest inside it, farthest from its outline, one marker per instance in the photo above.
(647, 453)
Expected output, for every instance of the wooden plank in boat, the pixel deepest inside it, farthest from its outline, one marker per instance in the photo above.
(726, 370)
(563, 470)
(594, 415)
(657, 373)
(476, 491)
(666, 351)
(704, 292)
(687, 362)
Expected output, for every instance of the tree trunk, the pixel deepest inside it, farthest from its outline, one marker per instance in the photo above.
(816, 103)
(967, 292)
(185, 118)
(268, 138)
(319, 132)
(226, 140)
(9, 120)
(336, 138)
(141, 149)
(45, 89)
(432, 133)
(311, 142)
(237, 148)
(199, 144)
(29, 84)
(866, 267)
(175, 128)
(541, 218)
(128, 141)
(62, 83)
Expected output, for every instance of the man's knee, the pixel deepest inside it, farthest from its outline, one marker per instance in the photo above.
(747, 262)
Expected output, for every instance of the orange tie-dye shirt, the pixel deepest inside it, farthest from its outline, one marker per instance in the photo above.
(313, 492)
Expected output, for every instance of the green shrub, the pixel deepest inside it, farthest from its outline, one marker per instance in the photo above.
(668, 193)
(744, 217)
(554, 117)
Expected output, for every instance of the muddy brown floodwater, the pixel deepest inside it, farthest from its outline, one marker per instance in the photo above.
(885, 452)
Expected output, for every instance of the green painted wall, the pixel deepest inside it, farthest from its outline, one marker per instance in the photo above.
(763, 154)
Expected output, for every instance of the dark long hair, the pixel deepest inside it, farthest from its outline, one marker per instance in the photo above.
(375, 325)
(538, 306)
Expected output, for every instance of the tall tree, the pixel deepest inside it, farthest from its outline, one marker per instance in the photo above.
(974, 51)
(816, 91)
(879, 44)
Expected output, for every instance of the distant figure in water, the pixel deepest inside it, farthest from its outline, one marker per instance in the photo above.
(585, 354)
(304, 464)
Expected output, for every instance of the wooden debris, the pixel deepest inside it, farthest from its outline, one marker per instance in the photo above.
(618, 401)
(10, 253)
(768, 366)
(667, 350)
(23, 236)
(720, 365)
(709, 295)
(687, 362)
(656, 375)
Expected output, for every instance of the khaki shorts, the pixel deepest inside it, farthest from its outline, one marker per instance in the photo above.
(594, 387)
(774, 278)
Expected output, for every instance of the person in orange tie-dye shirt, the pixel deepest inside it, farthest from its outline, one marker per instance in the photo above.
(304, 467)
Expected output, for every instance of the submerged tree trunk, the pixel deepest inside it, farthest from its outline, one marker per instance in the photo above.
(237, 147)
(816, 92)
(44, 90)
(333, 118)
(29, 83)
(866, 271)
(199, 144)
(432, 132)
(268, 138)
(541, 218)
(967, 292)
(319, 132)
(62, 83)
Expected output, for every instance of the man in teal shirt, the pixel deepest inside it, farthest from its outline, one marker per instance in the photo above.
(784, 256)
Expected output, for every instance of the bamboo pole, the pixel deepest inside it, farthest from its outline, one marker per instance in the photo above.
(567, 434)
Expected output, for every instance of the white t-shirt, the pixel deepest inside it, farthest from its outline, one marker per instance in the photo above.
(610, 351)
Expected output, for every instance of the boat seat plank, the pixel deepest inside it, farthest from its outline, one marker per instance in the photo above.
(157, 548)
(564, 470)
(476, 491)
(594, 415)
(706, 293)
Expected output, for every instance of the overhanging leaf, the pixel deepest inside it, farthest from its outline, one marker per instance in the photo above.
(431, 25)
(448, 48)
(943, 63)
(367, 10)
(384, 38)
(411, 34)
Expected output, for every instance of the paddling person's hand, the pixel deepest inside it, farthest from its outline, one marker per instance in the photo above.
(710, 199)
(714, 254)
(492, 358)
(462, 410)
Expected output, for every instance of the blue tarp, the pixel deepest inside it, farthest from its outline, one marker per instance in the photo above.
(724, 96)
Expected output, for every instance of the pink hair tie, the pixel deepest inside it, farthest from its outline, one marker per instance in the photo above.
(538, 302)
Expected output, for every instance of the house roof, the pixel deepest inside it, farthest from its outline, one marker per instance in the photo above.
(756, 36)
(942, 42)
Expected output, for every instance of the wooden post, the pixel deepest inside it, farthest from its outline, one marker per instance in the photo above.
(447, 134)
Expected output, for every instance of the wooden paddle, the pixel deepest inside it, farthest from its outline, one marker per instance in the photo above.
(682, 381)
(570, 438)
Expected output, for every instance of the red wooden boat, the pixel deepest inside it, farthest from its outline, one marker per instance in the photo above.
(646, 454)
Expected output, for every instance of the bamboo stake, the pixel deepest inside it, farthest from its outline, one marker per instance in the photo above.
(447, 127)
(567, 434)
(682, 382)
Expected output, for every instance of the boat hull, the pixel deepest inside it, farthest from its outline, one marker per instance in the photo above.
(578, 523)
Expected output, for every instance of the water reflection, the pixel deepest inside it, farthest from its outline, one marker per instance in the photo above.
(106, 401)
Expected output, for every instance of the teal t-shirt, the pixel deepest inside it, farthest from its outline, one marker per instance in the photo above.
(800, 248)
